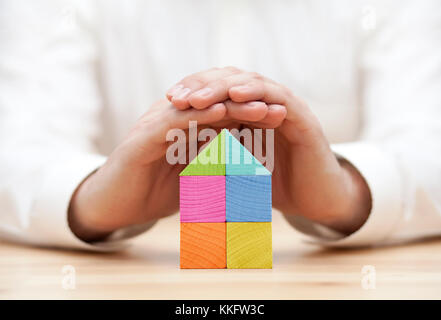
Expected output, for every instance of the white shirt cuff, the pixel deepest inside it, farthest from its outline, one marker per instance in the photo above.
(382, 175)
(52, 203)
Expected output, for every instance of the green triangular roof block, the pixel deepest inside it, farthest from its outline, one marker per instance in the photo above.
(210, 161)
(239, 161)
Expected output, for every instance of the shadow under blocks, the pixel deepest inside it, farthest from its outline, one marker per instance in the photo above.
(225, 209)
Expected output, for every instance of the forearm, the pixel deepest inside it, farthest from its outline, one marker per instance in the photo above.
(109, 199)
(328, 191)
(77, 216)
(358, 202)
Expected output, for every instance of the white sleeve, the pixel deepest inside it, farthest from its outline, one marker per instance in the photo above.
(399, 150)
(49, 117)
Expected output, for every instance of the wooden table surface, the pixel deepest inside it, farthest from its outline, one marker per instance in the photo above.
(150, 270)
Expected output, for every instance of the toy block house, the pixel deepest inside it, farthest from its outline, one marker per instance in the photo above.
(225, 209)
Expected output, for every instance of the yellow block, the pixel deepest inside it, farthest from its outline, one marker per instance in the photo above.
(249, 245)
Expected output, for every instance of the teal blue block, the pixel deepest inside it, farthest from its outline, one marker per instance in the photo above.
(239, 161)
(248, 198)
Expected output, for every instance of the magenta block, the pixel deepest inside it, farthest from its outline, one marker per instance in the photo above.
(202, 198)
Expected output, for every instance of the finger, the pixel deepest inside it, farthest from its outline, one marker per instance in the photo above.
(266, 91)
(226, 123)
(301, 124)
(246, 111)
(218, 90)
(273, 93)
(179, 93)
(191, 81)
(180, 119)
(273, 119)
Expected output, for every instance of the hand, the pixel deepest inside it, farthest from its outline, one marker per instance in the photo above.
(136, 184)
(308, 180)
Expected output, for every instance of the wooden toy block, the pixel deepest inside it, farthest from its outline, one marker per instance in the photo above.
(225, 208)
(210, 161)
(249, 245)
(239, 161)
(203, 246)
(248, 198)
(202, 198)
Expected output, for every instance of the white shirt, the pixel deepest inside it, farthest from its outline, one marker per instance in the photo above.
(75, 75)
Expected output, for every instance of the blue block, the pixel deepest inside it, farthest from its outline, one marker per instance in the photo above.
(248, 198)
(239, 161)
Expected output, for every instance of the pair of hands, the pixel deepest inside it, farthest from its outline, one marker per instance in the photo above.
(136, 185)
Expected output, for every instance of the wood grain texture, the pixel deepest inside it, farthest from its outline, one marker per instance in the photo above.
(249, 245)
(202, 198)
(149, 269)
(203, 246)
(210, 161)
(248, 198)
(239, 161)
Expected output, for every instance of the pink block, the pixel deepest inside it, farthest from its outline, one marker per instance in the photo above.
(202, 198)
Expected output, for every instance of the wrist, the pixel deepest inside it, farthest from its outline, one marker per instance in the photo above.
(356, 203)
(81, 218)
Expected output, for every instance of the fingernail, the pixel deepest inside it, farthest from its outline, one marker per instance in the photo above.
(255, 104)
(182, 94)
(173, 90)
(276, 107)
(203, 92)
(241, 88)
(217, 105)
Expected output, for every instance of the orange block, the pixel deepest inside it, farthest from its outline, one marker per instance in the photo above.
(203, 246)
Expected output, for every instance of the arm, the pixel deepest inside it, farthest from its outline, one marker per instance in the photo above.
(399, 148)
(380, 189)
(46, 132)
(55, 188)
(308, 180)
